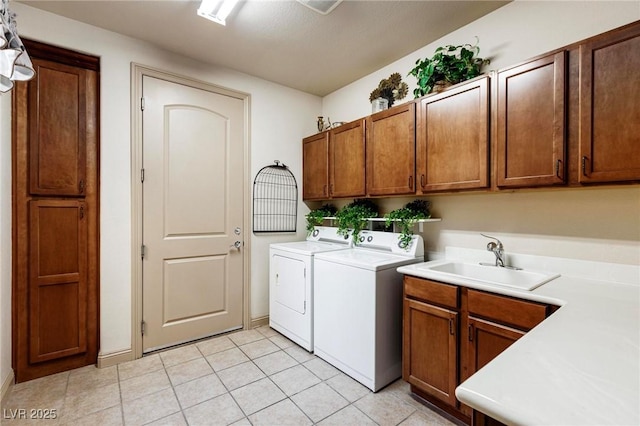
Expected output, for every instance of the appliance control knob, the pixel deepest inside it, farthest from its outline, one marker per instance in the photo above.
(370, 238)
(315, 232)
(404, 245)
(361, 239)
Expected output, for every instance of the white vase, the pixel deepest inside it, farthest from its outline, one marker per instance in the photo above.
(379, 104)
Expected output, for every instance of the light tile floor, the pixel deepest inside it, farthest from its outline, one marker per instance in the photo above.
(254, 377)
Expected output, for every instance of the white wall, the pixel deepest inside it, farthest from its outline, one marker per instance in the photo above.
(591, 224)
(5, 241)
(279, 117)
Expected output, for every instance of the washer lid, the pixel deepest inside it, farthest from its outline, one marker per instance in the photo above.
(309, 247)
(372, 260)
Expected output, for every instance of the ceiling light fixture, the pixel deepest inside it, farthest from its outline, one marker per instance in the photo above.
(15, 64)
(216, 10)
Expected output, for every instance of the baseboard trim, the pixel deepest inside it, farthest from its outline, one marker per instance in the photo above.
(6, 386)
(115, 358)
(259, 322)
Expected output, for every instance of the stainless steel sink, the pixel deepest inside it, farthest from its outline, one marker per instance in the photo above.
(475, 273)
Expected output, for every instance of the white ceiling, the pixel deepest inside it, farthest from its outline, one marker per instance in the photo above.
(284, 41)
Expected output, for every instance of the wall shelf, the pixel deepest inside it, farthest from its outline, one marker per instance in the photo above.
(371, 220)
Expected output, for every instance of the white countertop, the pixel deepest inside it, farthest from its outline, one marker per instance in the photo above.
(581, 365)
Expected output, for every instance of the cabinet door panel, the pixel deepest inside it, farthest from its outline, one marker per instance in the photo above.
(391, 150)
(430, 351)
(453, 138)
(347, 160)
(57, 130)
(315, 167)
(487, 340)
(531, 123)
(58, 279)
(609, 108)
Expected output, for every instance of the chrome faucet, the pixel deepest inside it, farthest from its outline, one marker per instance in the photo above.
(497, 248)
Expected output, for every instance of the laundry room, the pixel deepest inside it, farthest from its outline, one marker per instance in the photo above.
(282, 219)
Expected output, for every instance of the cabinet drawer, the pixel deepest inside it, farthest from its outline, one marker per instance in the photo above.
(431, 291)
(514, 312)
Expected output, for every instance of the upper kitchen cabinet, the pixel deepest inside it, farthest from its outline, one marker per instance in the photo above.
(609, 137)
(315, 167)
(453, 138)
(57, 130)
(391, 149)
(347, 160)
(334, 163)
(530, 136)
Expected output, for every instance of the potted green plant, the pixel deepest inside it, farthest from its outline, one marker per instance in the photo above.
(352, 217)
(449, 65)
(316, 217)
(406, 217)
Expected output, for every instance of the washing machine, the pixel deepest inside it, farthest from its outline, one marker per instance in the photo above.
(358, 306)
(291, 282)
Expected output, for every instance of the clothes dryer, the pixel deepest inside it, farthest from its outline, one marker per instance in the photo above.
(291, 282)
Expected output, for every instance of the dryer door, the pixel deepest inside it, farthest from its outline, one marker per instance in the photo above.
(290, 283)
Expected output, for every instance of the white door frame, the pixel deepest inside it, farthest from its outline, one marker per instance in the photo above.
(137, 73)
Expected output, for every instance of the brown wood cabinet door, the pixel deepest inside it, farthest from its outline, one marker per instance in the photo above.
(487, 340)
(347, 160)
(531, 123)
(453, 138)
(57, 134)
(430, 360)
(56, 232)
(609, 146)
(391, 151)
(58, 279)
(315, 167)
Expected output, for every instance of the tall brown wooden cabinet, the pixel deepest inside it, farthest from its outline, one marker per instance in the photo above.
(55, 214)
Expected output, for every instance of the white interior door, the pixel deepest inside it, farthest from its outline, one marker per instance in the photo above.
(192, 213)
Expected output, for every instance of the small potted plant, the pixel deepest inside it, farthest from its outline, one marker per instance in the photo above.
(406, 217)
(316, 217)
(449, 65)
(352, 217)
(392, 89)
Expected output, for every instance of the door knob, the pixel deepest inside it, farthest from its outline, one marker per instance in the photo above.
(236, 245)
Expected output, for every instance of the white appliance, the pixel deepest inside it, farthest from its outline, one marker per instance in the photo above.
(291, 282)
(358, 307)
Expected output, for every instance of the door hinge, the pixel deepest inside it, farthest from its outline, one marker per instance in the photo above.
(143, 251)
(142, 175)
(142, 104)
(143, 327)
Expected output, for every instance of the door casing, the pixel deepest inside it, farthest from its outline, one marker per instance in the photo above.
(137, 73)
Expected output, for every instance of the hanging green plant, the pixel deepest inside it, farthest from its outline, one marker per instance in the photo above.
(449, 65)
(406, 217)
(352, 217)
(316, 217)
